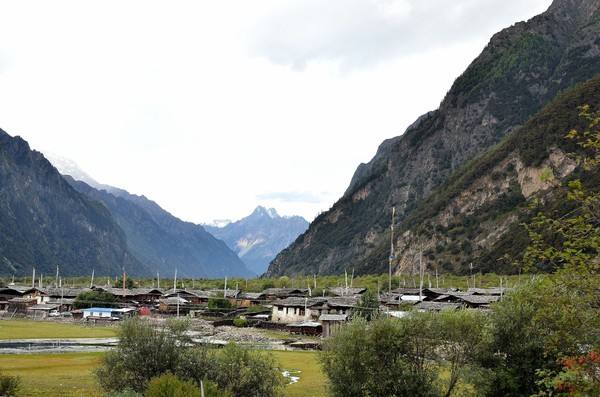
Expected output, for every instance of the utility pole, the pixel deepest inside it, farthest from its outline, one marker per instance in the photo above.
(421, 274)
(225, 289)
(175, 281)
(33, 279)
(92, 280)
(391, 249)
(471, 271)
(158, 279)
(124, 277)
(346, 278)
(56, 282)
(315, 280)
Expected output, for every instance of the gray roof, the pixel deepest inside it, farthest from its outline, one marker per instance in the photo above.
(299, 302)
(342, 301)
(43, 306)
(65, 292)
(333, 317)
(251, 295)
(342, 291)
(230, 293)
(488, 291)
(282, 292)
(480, 299)
(436, 306)
(173, 300)
(20, 289)
(309, 324)
(130, 292)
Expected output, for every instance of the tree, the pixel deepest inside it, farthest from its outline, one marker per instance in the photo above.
(146, 352)
(246, 373)
(368, 306)
(94, 298)
(461, 336)
(386, 357)
(143, 353)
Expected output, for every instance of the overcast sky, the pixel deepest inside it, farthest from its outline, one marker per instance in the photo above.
(213, 107)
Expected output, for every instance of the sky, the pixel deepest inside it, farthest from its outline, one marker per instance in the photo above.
(213, 107)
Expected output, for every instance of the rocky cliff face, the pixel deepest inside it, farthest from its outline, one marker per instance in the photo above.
(522, 68)
(477, 217)
(259, 237)
(44, 222)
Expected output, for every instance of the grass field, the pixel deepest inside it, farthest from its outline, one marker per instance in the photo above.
(71, 374)
(54, 375)
(27, 329)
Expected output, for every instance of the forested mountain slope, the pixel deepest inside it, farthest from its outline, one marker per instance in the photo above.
(521, 70)
(44, 222)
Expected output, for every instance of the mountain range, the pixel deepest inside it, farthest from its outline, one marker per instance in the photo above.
(48, 220)
(521, 71)
(260, 236)
(45, 222)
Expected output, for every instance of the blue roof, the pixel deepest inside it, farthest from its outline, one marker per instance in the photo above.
(99, 309)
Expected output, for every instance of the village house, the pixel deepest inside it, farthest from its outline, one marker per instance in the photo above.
(247, 299)
(108, 314)
(296, 309)
(18, 291)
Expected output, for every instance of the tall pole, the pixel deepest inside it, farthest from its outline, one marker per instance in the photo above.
(56, 282)
(92, 280)
(421, 274)
(158, 279)
(124, 276)
(225, 289)
(33, 279)
(391, 249)
(175, 280)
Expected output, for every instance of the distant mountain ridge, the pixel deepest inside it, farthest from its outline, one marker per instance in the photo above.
(159, 240)
(521, 70)
(44, 222)
(259, 237)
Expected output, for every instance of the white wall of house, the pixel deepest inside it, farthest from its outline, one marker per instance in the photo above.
(289, 315)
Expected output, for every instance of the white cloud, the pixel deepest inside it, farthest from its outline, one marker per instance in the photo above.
(357, 33)
(194, 104)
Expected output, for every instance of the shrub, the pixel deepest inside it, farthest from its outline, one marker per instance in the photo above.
(219, 304)
(9, 385)
(168, 385)
(246, 373)
(240, 322)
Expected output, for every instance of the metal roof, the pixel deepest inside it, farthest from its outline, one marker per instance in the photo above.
(99, 309)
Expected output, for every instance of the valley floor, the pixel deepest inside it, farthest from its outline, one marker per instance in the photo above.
(71, 374)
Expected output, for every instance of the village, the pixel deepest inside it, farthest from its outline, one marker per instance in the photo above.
(288, 310)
